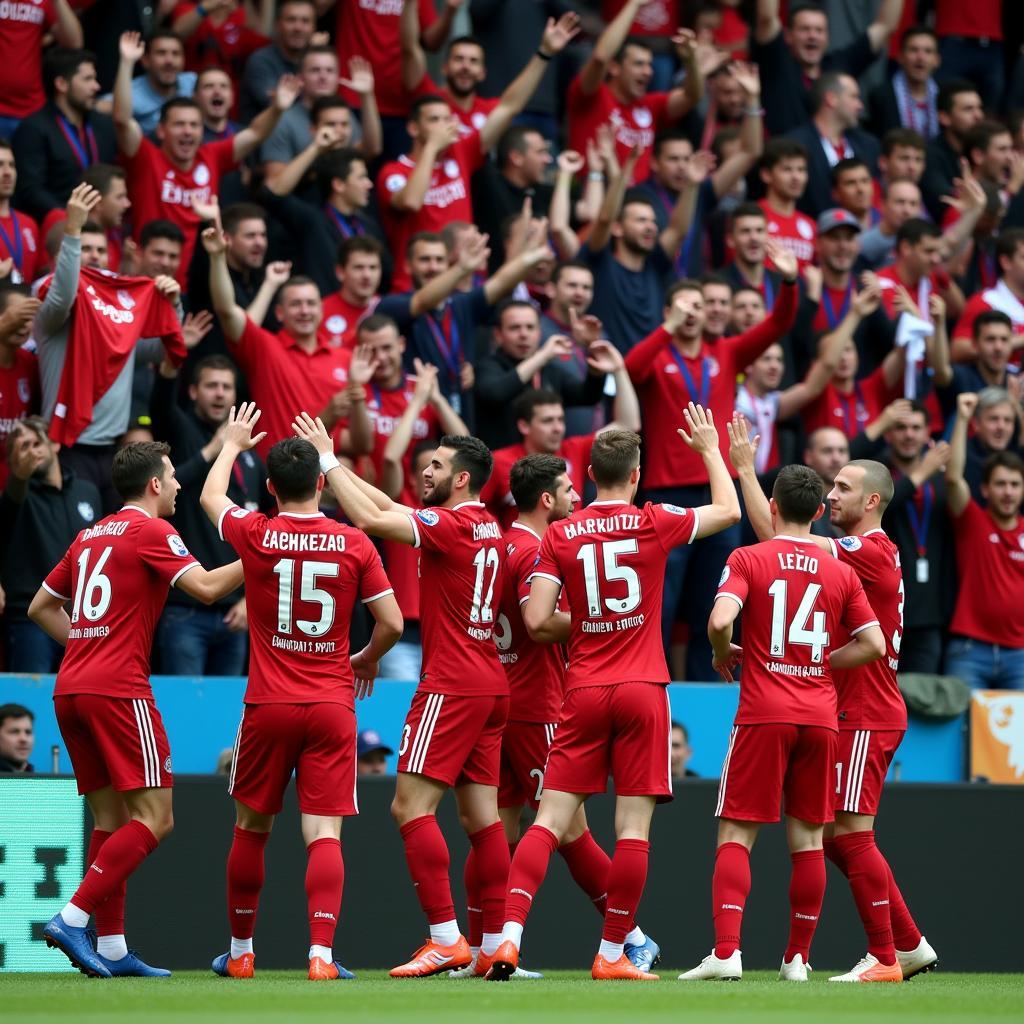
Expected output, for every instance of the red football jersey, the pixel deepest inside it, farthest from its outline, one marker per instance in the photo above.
(655, 18)
(609, 558)
(19, 397)
(869, 697)
(19, 240)
(475, 118)
(304, 574)
(992, 590)
(338, 327)
(22, 27)
(116, 575)
(887, 281)
(795, 232)
(536, 672)
(798, 606)
(851, 412)
(161, 190)
(386, 407)
(447, 198)
(975, 21)
(979, 303)
(460, 588)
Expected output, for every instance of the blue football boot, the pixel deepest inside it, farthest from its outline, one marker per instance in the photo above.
(242, 967)
(75, 945)
(132, 966)
(645, 955)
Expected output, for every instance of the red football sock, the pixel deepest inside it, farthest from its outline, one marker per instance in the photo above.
(492, 865)
(426, 853)
(869, 881)
(626, 881)
(121, 854)
(730, 886)
(245, 880)
(471, 880)
(589, 866)
(834, 854)
(325, 879)
(906, 935)
(529, 866)
(109, 915)
(806, 892)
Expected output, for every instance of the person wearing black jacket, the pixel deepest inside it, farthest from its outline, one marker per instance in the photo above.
(194, 639)
(42, 510)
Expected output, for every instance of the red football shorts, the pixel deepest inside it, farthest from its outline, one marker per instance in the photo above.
(453, 739)
(114, 741)
(766, 763)
(524, 752)
(316, 741)
(862, 763)
(623, 731)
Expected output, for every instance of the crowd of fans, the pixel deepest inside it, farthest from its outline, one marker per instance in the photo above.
(579, 214)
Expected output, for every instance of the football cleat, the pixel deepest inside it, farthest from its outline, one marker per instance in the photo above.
(917, 961)
(869, 969)
(713, 969)
(75, 945)
(241, 967)
(522, 974)
(321, 970)
(433, 958)
(644, 956)
(131, 965)
(795, 970)
(622, 969)
(469, 971)
(504, 962)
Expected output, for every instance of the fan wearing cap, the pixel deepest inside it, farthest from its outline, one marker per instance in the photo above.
(371, 753)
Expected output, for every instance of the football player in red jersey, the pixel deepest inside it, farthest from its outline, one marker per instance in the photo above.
(871, 713)
(804, 617)
(610, 558)
(452, 734)
(299, 713)
(115, 576)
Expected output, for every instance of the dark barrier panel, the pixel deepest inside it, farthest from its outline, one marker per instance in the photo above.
(955, 851)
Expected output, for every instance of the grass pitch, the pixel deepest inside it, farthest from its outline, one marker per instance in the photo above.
(199, 998)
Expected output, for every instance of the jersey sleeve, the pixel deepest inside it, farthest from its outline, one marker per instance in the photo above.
(434, 530)
(160, 547)
(546, 564)
(58, 583)
(248, 349)
(393, 178)
(221, 154)
(373, 580)
(236, 525)
(858, 614)
(735, 580)
(470, 151)
(672, 524)
(858, 555)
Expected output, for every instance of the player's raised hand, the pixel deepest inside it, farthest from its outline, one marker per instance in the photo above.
(238, 427)
(724, 666)
(26, 457)
(365, 671)
(363, 366)
(83, 200)
(785, 262)
(604, 357)
(131, 47)
(966, 403)
(426, 381)
(360, 76)
(570, 162)
(313, 431)
(742, 446)
(214, 241)
(196, 327)
(586, 329)
(703, 435)
(558, 34)
(167, 287)
(934, 459)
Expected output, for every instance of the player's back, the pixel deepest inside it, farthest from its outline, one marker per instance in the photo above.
(869, 696)
(460, 589)
(303, 574)
(610, 559)
(798, 605)
(536, 672)
(116, 575)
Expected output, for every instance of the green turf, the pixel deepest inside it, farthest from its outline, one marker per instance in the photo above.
(282, 995)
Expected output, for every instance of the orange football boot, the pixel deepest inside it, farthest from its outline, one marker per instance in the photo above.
(433, 958)
(241, 967)
(504, 961)
(871, 969)
(621, 970)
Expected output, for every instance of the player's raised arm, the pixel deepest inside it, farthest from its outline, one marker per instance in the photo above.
(742, 448)
(363, 512)
(238, 438)
(959, 494)
(727, 655)
(724, 510)
(210, 585)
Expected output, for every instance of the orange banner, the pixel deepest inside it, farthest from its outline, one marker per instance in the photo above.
(997, 736)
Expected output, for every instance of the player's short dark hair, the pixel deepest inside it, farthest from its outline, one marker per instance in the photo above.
(532, 476)
(663, 138)
(915, 229)
(747, 209)
(61, 63)
(714, 277)
(1001, 460)
(92, 227)
(508, 304)
(827, 82)
(917, 30)
(135, 464)
(1008, 242)
(877, 480)
(676, 724)
(798, 492)
(982, 134)
(179, 102)
(896, 137)
(524, 406)
(613, 457)
(463, 40)
(990, 316)
(160, 229)
(949, 90)
(288, 3)
(799, 8)
(721, 139)
(471, 456)
(635, 197)
(213, 67)
(164, 33)
(560, 269)
(376, 322)
(324, 103)
(514, 141)
(236, 213)
(428, 100)
(777, 150)
(634, 41)
(366, 244)
(850, 163)
(684, 284)
(17, 711)
(336, 163)
(102, 176)
(293, 467)
(9, 288)
(296, 281)
(214, 362)
(434, 237)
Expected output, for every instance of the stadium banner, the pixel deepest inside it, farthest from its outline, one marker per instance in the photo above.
(42, 848)
(997, 736)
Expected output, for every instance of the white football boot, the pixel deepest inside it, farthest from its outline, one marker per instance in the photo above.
(713, 969)
(795, 970)
(869, 969)
(917, 961)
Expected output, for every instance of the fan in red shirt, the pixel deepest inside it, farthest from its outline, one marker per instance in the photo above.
(221, 34)
(798, 607)
(918, 268)
(359, 273)
(452, 734)
(168, 181)
(623, 101)
(783, 170)
(19, 233)
(871, 713)
(115, 577)
(610, 560)
(430, 186)
(304, 573)
(19, 370)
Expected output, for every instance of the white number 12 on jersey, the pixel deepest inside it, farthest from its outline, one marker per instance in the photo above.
(484, 559)
(816, 637)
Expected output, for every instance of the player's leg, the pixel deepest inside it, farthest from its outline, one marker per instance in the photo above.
(325, 882)
(109, 813)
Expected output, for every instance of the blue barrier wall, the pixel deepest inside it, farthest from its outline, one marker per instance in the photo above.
(201, 717)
